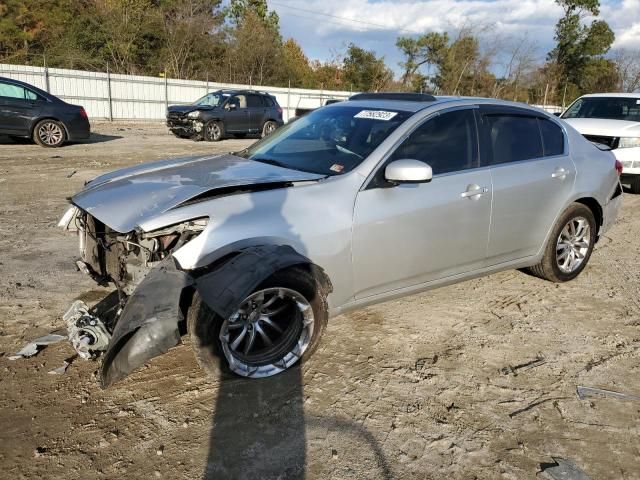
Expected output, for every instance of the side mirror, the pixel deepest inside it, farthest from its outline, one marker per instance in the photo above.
(408, 171)
(231, 106)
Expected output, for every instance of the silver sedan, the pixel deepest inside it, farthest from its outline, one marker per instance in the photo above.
(374, 198)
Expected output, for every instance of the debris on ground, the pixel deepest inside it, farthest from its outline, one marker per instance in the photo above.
(33, 347)
(72, 174)
(563, 469)
(88, 335)
(63, 369)
(584, 392)
(539, 360)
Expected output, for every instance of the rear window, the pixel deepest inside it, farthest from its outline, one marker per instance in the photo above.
(254, 101)
(552, 138)
(510, 138)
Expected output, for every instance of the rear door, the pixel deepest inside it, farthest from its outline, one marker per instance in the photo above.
(257, 111)
(532, 176)
(18, 107)
(410, 234)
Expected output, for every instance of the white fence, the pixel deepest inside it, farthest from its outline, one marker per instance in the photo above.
(132, 97)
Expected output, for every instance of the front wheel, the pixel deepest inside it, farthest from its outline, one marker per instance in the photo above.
(49, 133)
(276, 326)
(268, 128)
(213, 131)
(570, 245)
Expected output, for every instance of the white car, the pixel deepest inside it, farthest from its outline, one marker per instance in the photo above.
(612, 119)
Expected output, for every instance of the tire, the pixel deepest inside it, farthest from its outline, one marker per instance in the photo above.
(578, 245)
(213, 131)
(634, 185)
(49, 133)
(212, 339)
(268, 128)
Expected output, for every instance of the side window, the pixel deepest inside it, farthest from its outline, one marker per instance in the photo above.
(446, 142)
(510, 138)
(16, 91)
(552, 137)
(254, 101)
(268, 101)
(239, 100)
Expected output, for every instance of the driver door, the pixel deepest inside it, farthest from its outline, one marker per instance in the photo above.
(237, 118)
(410, 234)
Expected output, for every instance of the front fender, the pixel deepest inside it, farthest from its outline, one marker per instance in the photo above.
(149, 323)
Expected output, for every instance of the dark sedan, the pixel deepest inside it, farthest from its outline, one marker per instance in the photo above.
(28, 112)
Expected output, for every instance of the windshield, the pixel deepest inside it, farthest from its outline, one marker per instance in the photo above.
(328, 141)
(212, 99)
(614, 108)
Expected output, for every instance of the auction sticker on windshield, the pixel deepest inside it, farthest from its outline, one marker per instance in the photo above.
(376, 115)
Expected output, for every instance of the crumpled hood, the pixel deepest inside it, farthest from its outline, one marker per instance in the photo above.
(188, 108)
(126, 198)
(605, 127)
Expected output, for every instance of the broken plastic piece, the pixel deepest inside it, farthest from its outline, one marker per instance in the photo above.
(33, 347)
(60, 370)
(584, 392)
(564, 469)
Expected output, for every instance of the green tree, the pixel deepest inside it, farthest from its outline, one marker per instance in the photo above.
(364, 71)
(238, 10)
(580, 48)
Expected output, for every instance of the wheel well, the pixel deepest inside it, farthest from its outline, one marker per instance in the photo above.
(595, 208)
(33, 125)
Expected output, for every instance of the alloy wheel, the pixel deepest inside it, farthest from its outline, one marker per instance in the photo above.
(213, 131)
(573, 244)
(268, 333)
(50, 133)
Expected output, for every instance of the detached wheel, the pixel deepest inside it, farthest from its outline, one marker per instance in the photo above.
(49, 133)
(276, 326)
(569, 247)
(213, 131)
(268, 128)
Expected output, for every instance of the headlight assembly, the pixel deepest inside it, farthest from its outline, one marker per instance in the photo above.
(194, 114)
(629, 142)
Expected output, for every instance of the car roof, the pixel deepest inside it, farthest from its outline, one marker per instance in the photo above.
(416, 106)
(232, 91)
(621, 95)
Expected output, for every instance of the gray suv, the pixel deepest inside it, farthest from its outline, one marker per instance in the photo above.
(239, 112)
(374, 198)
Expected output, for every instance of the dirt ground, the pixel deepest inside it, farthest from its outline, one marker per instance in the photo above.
(427, 387)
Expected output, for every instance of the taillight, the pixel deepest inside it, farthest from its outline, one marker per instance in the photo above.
(280, 111)
(619, 167)
(83, 113)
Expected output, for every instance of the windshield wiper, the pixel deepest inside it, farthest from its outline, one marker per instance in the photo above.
(270, 162)
(346, 150)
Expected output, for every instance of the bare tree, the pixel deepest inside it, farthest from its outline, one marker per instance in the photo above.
(628, 65)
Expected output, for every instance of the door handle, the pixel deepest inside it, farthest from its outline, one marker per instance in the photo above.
(474, 191)
(560, 173)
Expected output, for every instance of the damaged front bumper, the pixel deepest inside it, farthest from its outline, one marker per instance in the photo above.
(186, 127)
(152, 298)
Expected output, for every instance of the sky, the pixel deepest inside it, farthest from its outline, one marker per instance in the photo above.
(325, 27)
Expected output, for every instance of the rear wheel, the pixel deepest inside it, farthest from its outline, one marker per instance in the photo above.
(570, 245)
(268, 128)
(49, 133)
(634, 184)
(214, 131)
(276, 326)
